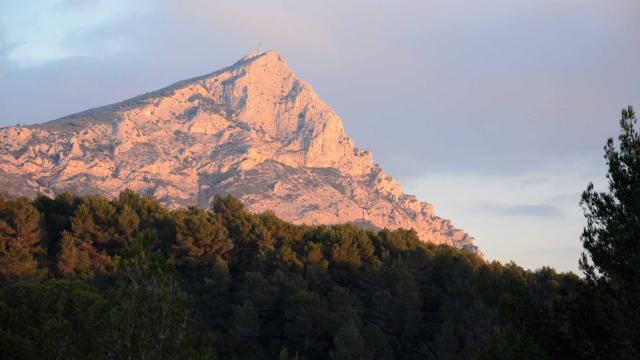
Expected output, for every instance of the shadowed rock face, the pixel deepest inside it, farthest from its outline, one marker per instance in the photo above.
(252, 129)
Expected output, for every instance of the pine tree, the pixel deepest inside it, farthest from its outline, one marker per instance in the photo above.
(200, 237)
(20, 225)
(284, 354)
(349, 343)
(611, 239)
(149, 313)
(128, 222)
(16, 262)
(20, 238)
(73, 261)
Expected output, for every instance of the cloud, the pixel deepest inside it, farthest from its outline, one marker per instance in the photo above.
(515, 216)
(524, 210)
(77, 5)
(118, 37)
(44, 29)
(568, 199)
(5, 50)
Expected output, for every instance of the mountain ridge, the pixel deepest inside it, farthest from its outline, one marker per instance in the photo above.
(252, 129)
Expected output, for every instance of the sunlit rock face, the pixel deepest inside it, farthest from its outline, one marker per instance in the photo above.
(253, 130)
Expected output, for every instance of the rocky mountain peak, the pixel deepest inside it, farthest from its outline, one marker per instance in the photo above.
(252, 129)
(268, 58)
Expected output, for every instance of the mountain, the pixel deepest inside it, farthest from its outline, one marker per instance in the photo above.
(252, 129)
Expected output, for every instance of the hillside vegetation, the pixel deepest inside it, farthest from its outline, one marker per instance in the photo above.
(126, 278)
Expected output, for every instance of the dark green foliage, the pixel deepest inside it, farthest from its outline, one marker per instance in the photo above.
(20, 238)
(200, 237)
(191, 283)
(57, 319)
(88, 277)
(611, 239)
(148, 317)
(612, 234)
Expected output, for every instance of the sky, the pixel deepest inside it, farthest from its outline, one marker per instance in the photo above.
(495, 111)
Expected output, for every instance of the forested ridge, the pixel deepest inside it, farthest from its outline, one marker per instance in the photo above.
(87, 277)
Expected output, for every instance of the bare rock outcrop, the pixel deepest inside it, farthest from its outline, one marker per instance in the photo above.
(253, 129)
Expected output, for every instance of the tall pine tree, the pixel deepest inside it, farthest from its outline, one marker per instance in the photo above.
(611, 239)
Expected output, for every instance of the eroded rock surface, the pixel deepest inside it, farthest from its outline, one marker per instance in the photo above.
(253, 129)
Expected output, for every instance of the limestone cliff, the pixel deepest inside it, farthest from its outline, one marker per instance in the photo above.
(253, 129)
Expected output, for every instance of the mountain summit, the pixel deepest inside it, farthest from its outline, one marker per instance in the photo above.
(252, 129)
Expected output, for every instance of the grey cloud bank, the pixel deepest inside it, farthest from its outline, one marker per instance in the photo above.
(532, 210)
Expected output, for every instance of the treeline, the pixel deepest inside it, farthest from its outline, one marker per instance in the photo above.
(86, 277)
(89, 277)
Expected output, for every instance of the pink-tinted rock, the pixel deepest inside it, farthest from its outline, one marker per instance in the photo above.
(253, 129)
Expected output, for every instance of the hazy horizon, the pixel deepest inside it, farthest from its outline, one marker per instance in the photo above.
(496, 113)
